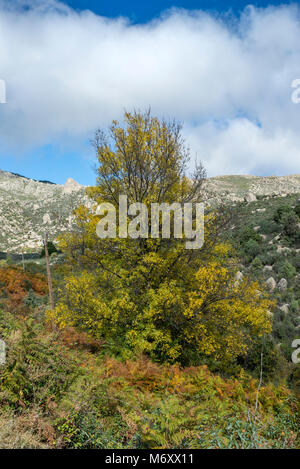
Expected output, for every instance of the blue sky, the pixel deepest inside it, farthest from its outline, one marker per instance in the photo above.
(226, 76)
(139, 12)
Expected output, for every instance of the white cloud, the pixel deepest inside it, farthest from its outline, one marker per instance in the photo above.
(68, 72)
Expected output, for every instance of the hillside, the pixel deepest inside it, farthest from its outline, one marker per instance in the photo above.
(70, 386)
(239, 188)
(266, 238)
(96, 400)
(28, 208)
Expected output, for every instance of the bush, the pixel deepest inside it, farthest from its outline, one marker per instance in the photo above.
(145, 405)
(290, 226)
(297, 209)
(286, 270)
(282, 213)
(256, 265)
(33, 300)
(251, 248)
(49, 398)
(35, 268)
(270, 358)
(294, 306)
(247, 234)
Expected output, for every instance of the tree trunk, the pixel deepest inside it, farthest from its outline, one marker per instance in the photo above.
(51, 299)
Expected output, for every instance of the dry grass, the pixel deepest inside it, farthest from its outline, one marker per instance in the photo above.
(25, 431)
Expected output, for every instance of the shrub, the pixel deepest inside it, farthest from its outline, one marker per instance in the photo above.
(290, 226)
(256, 265)
(294, 306)
(251, 248)
(286, 270)
(247, 234)
(33, 300)
(282, 213)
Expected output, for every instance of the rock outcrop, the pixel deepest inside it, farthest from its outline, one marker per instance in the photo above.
(282, 284)
(71, 186)
(285, 308)
(271, 284)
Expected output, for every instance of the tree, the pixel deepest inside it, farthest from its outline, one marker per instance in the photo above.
(282, 213)
(51, 249)
(291, 226)
(153, 295)
(49, 277)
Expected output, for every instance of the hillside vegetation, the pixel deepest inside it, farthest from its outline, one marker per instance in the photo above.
(150, 344)
(61, 390)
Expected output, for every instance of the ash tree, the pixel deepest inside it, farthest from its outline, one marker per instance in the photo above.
(152, 295)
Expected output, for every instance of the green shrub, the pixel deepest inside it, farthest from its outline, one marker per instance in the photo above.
(83, 430)
(33, 300)
(256, 265)
(251, 248)
(248, 233)
(294, 306)
(286, 270)
(282, 213)
(297, 209)
(270, 352)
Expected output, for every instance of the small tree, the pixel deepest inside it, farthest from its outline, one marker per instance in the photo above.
(51, 249)
(291, 226)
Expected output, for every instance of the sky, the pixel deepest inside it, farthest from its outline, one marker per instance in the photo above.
(142, 12)
(225, 70)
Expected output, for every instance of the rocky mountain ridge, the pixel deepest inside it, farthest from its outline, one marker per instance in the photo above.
(28, 207)
(238, 188)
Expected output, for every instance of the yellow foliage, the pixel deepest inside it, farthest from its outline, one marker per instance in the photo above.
(152, 295)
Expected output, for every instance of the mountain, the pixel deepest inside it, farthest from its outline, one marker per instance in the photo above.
(249, 188)
(29, 207)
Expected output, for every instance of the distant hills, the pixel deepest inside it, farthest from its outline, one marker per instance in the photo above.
(25, 177)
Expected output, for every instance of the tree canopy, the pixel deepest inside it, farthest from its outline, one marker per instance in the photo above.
(154, 296)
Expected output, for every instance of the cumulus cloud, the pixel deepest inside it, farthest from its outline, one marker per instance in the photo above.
(229, 79)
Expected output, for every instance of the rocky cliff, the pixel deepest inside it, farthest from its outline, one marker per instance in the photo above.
(28, 208)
